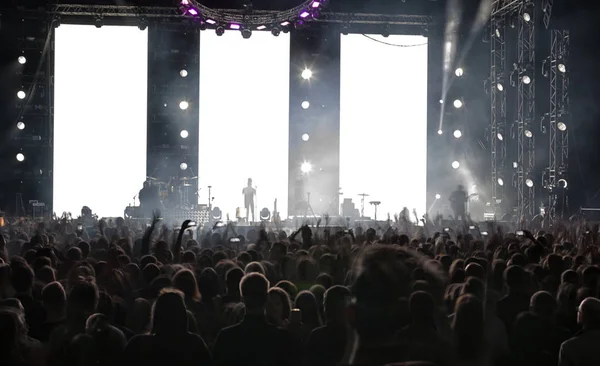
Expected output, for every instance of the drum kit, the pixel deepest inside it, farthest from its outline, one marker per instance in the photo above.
(177, 192)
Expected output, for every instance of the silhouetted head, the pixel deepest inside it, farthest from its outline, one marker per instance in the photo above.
(185, 281)
(543, 304)
(54, 297)
(169, 315)
(254, 288)
(422, 307)
(335, 300)
(249, 182)
(588, 314)
(279, 306)
(307, 303)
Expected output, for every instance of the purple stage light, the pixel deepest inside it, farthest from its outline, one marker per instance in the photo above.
(285, 23)
(210, 21)
(193, 11)
(261, 27)
(316, 4)
(304, 14)
(234, 26)
(185, 2)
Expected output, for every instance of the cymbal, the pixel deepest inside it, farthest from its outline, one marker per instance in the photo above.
(188, 178)
(151, 178)
(363, 194)
(375, 203)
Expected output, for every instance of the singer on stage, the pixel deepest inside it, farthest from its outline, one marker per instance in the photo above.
(458, 200)
(249, 192)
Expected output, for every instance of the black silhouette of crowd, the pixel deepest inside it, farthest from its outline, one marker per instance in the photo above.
(124, 293)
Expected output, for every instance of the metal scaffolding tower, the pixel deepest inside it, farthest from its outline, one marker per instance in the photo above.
(559, 116)
(526, 110)
(498, 100)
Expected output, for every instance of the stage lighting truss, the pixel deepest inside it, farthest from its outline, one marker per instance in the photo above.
(248, 19)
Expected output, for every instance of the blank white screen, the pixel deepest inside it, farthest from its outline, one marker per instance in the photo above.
(100, 98)
(244, 119)
(383, 122)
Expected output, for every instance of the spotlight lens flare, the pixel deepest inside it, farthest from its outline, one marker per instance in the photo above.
(440, 132)
(211, 22)
(184, 134)
(562, 183)
(316, 4)
(306, 74)
(21, 94)
(562, 68)
(305, 167)
(528, 134)
(500, 87)
(261, 27)
(457, 134)
(526, 17)
(529, 183)
(500, 137)
(455, 164)
(234, 26)
(183, 73)
(304, 14)
(526, 79)
(305, 137)
(183, 166)
(305, 104)
(22, 60)
(458, 72)
(458, 103)
(561, 126)
(20, 157)
(438, 196)
(193, 11)
(500, 182)
(184, 105)
(21, 125)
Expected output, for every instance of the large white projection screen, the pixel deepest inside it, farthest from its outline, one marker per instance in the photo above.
(244, 119)
(383, 122)
(100, 99)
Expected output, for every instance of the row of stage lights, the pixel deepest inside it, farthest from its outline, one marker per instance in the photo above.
(312, 11)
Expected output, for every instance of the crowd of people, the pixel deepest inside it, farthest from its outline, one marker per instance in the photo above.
(126, 293)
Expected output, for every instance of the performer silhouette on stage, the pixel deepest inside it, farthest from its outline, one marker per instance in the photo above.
(458, 201)
(149, 199)
(249, 192)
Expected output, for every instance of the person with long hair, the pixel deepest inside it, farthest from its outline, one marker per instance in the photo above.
(468, 326)
(169, 342)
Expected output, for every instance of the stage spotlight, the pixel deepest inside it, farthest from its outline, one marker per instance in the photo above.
(306, 74)
(562, 68)
(305, 104)
(528, 134)
(458, 72)
(500, 136)
(183, 105)
(21, 94)
(210, 21)
(497, 32)
(305, 167)
(528, 182)
(455, 164)
(183, 166)
(526, 17)
(515, 165)
(21, 125)
(185, 2)
(234, 26)
(184, 134)
(500, 87)
(265, 214)
(20, 157)
(305, 137)
(261, 27)
(458, 103)
(183, 73)
(526, 79)
(500, 182)
(561, 126)
(316, 4)
(22, 60)
(98, 21)
(457, 134)
(438, 196)
(219, 30)
(441, 101)
(304, 14)
(192, 11)
(440, 132)
(562, 183)
(216, 213)
(246, 33)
